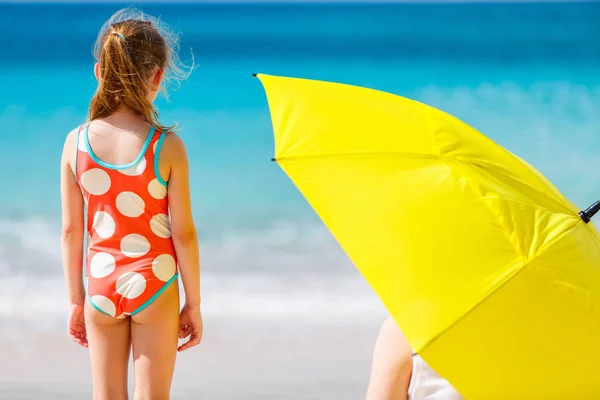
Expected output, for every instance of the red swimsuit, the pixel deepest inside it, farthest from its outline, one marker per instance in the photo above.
(131, 258)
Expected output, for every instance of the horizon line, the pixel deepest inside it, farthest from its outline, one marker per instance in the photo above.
(213, 2)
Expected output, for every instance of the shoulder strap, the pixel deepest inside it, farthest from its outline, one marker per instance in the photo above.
(77, 137)
(157, 149)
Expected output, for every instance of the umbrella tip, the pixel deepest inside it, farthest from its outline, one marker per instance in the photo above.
(273, 159)
(587, 215)
(254, 74)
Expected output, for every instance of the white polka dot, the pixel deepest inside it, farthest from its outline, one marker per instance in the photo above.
(161, 226)
(163, 267)
(104, 224)
(130, 285)
(157, 190)
(105, 304)
(81, 145)
(154, 147)
(102, 265)
(137, 169)
(122, 316)
(134, 245)
(95, 181)
(130, 204)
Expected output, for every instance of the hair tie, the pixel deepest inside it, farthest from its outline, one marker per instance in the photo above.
(120, 35)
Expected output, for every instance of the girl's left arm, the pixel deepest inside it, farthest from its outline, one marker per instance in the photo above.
(72, 224)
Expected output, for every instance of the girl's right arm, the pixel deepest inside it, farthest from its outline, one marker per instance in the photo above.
(72, 240)
(72, 224)
(185, 238)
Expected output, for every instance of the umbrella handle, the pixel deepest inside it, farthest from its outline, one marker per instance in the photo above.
(587, 215)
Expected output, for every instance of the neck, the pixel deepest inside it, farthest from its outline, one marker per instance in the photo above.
(124, 117)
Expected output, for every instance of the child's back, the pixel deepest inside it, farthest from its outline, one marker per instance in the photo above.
(131, 257)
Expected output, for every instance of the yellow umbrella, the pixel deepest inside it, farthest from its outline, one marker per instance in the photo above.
(492, 274)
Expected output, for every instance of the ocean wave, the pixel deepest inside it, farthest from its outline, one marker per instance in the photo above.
(284, 271)
(31, 247)
(41, 305)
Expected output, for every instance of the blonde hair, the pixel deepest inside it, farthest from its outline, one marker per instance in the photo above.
(130, 48)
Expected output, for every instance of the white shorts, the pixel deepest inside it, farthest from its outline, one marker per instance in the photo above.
(426, 384)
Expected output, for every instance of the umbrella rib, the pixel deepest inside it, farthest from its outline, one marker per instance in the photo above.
(360, 154)
(505, 280)
(567, 210)
(453, 163)
(525, 261)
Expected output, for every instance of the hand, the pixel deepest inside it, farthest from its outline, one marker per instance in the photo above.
(76, 325)
(190, 324)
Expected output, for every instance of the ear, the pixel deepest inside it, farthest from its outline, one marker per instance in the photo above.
(157, 78)
(97, 71)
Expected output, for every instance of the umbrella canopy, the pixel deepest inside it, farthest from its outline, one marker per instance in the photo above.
(492, 274)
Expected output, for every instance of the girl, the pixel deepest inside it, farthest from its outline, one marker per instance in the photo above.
(398, 374)
(130, 175)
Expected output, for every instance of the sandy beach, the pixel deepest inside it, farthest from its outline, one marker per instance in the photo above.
(245, 359)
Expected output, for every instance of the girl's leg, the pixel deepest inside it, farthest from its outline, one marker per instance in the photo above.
(109, 344)
(154, 333)
(392, 364)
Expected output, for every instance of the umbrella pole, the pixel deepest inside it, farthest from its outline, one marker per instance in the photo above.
(587, 215)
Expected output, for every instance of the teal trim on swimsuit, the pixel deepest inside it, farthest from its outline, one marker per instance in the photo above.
(77, 152)
(98, 308)
(113, 166)
(151, 299)
(156, 158)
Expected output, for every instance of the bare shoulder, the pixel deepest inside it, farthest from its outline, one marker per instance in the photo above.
(174, 148)
(173, 141)
(70, 145)
(72, 137)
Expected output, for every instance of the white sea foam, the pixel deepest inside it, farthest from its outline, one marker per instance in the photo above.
(281, 272)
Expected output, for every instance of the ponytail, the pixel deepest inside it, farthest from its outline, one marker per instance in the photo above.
(129, 52)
